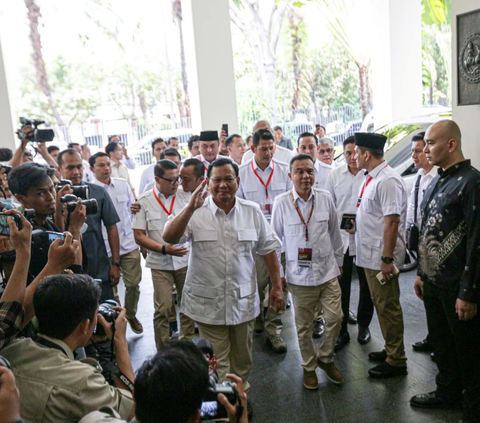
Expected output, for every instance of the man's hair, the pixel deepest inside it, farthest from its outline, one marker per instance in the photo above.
(62, 302)
(262, 134)
(299, 157)
(111, 137)
(276, 128)
(305, 135)
(156, 141)
(170, 139)
(349, 140)
(70, 145)
(171, 385)
(325, 141)
(222, 162)
(198, 167)
(193, 138)
(375, 152)
(419, 137)
(162, 166)
(170, 152)
(68, 151)
(93, 158)
(229, 140)
(111, 146)
(320, 126)
(26, 176)
(52, 148)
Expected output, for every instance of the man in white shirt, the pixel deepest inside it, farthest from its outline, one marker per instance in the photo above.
(209, 148)
(168, 262)
(344, 184)
(120, 162)
(168, 154)
(262, 179)
(192, 175)
(158, 145)
(320, 131)
(173, 143)
(129, 262)
(308, 144)
(281, 154)
(326, 152)
(194, 145)
(236, 148)
(225, 234)
(426, 173)
(306, 220)
(380, 245)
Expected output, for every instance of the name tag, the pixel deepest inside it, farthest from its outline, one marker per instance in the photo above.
(305, 257)
(266, 210)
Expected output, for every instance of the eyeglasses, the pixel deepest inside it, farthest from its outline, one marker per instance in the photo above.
(328, 150)
(226, 180)
(172, 181)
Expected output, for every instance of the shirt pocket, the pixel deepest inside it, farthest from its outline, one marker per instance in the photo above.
(205, 301)
(205, 243)
(155, 224)
(247, 298)
(247, 238)
(122, 198)
(368, 200)
(371, 248)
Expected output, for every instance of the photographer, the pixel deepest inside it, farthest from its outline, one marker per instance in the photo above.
(35, 190)
(71, 168)
(53, 385)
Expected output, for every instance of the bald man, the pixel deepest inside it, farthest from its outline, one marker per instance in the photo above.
(449, 272)
(280, 154)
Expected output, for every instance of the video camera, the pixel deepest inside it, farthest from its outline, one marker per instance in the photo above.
(110, 315)
(5, 156)
(211, 409)
(71, 202)
(38, 135)
(81, 191)
(5, 229)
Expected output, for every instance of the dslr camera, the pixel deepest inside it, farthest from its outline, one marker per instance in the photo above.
(38, 135)
(211, 409)
(71, 202)
(110, 315)
(81, 191)
(5, 229)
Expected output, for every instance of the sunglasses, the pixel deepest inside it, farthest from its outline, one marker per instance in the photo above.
(328, 150)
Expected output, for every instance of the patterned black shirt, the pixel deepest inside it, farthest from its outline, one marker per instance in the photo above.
(449, 247)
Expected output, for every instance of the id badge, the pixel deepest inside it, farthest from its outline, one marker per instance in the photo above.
(305, 257)
(267, 210)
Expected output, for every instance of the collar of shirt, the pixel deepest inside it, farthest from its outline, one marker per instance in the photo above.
(97, 182)
(433, 172)
(256, 167)
(377, 169)
(61, 344)
(214, 208)
(323, 164)
(296, 197)
(162, 198)
(453, 169)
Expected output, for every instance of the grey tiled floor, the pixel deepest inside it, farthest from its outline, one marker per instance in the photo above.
(277, 393)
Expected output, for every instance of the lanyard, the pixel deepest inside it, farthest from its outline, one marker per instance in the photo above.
(365, 185)
(261, 180)
(163, 207)
(201, 159)
(305, 224)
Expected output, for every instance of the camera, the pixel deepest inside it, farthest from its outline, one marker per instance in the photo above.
(212, 409)
(110, 315)
(71, 202)
(5, 229)
(81, 191)
(7, 169)
(38, 135)
(41, 237)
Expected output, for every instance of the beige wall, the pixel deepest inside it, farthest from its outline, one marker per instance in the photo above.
(467, 117)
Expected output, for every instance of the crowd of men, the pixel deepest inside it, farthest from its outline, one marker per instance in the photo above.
(229, 234)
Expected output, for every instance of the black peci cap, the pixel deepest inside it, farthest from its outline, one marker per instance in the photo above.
(209, 136)
(370, 140)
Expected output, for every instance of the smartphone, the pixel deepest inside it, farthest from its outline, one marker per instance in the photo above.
(380, 275)
(225, 128)
(52, 236)
(4, 228)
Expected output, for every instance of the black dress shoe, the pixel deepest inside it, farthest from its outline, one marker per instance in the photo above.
(363, 336)
(352, 319)
(378, 356)
(433, 357)
(422, 346)
(342, 340)
(433, 400)
(318, 328)
(385, 370)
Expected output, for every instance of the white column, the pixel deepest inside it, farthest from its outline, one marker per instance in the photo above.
(396, 60)
(7, 134)
(209, 57)
(467, 117)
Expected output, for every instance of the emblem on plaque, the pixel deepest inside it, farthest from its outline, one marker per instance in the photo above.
(469, 59)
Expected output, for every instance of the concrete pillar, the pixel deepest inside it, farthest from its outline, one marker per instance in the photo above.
(7, 134)
(467, 117)
(209, 56)
(396, 60)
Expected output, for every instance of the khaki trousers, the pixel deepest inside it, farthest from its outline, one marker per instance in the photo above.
(308, 299)
(163, 281)
(232, 346)
(386, 299)
(273, 320)
(131, 268)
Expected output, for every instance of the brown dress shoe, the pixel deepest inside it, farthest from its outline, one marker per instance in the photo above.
(331, 371)
(310, 380)
(135, 325)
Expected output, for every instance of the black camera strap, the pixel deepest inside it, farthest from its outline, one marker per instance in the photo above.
(417, 188)
(49, 344)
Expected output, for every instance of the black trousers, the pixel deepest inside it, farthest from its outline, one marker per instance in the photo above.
(456, 344)
(365, 305)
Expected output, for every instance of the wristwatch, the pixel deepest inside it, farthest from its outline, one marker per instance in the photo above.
(387, 260)
(116, 263)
